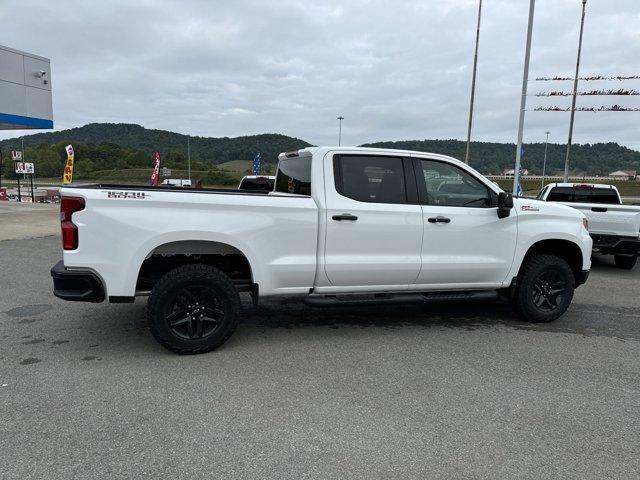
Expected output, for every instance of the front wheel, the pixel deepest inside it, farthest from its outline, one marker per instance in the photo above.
(193, 309)
(626, 262)
(544, 288)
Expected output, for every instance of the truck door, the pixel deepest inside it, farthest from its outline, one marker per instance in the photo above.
(464, 242)
(373, 231)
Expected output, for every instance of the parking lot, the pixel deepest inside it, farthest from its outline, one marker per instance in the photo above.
(416, 391)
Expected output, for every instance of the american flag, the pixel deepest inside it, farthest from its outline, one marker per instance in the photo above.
(519, 191)
(257, 164)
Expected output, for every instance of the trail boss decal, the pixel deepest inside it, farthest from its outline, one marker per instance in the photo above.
(128, 195)
(529, 208)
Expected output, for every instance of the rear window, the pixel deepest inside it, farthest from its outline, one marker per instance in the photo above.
(294, 176)
(263, 184)
(583, 195)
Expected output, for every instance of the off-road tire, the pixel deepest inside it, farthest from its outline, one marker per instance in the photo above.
(213, 284)
(626, 262)
(527, 286)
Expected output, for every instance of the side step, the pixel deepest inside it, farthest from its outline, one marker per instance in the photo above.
(386, 298)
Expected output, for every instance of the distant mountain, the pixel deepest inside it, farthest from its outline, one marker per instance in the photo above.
(131, 136)
(489, 157)
(119, 145)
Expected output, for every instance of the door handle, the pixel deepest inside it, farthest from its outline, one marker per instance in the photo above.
(599, 209)
(438, 219)
(345, 216)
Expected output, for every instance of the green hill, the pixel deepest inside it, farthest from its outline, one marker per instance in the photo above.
(136, 137)
(489, 157)
(104, 147)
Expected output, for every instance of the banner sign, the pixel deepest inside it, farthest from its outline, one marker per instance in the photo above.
(257, 164)
(24, 167)
(16, 155)
(67, 177)
(156, 171)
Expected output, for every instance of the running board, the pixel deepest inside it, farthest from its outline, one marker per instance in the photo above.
(386, 298)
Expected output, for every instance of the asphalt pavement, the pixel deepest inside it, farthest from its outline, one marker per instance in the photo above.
(416, 391)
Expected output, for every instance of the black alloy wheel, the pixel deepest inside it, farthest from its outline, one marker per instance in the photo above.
(548, 290)
(544, 288)
(193, 309)
(194, 312)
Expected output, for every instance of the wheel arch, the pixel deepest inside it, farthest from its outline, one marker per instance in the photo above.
(567, 250)
(172, 254)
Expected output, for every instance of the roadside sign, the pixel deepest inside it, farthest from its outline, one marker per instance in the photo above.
(16, 155)
(166, 172)
(24, 167)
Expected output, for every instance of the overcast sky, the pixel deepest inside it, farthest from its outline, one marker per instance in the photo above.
(394, 69)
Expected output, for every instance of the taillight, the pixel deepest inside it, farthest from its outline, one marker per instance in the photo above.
(69, 205)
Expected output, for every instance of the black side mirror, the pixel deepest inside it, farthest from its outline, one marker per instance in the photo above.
(505, 204)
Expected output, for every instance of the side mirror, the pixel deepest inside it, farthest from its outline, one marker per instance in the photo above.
(505, 204)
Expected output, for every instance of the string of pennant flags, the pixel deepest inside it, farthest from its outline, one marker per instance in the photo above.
(622, 92)
(589, 78)
(613, 108)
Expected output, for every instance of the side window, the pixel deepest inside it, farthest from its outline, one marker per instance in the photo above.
(451, 186)
(294, 176)
(370, 178)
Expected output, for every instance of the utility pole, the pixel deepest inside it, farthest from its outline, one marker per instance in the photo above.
(575, 91)
(340, 118)
(523, 100)
(544, 162)
(473, 84)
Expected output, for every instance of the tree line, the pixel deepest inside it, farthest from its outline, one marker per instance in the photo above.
(102, 147)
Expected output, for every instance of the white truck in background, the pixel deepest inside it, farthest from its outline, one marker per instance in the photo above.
(614, 227)
(342, 222)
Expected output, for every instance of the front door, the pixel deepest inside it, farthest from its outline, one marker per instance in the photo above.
(464, 243)
(373, 232)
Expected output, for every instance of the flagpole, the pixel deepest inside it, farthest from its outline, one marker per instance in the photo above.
(473, 84)
(573, 102)
(523, 99)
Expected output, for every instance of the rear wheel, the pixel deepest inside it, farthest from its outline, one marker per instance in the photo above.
(625, 261)
(544, 288)
(193, 309)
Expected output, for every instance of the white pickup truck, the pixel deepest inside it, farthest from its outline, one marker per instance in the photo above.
(341, 223)
(614, 227)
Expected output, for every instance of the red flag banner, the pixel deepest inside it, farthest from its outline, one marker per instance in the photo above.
(155, 176)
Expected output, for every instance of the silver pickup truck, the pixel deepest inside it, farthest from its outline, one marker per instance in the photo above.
(614, 227)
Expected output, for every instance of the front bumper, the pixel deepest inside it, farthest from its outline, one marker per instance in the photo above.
(581, 277)
(76, 285)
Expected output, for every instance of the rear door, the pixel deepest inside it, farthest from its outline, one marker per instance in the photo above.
(465, 243)
(373, 221)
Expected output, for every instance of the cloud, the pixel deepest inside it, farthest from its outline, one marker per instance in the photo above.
(394, 70)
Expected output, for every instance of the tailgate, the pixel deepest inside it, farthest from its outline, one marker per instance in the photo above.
(622, 220)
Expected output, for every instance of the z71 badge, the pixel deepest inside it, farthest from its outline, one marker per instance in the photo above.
(529, 208)
(128, 195)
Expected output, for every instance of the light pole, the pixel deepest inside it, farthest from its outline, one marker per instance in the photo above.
(473, 84)
(340, 118)
(523, 99)
(575, 90)
(544, 162)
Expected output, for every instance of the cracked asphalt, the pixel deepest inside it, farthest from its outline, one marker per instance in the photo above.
(411, 391)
